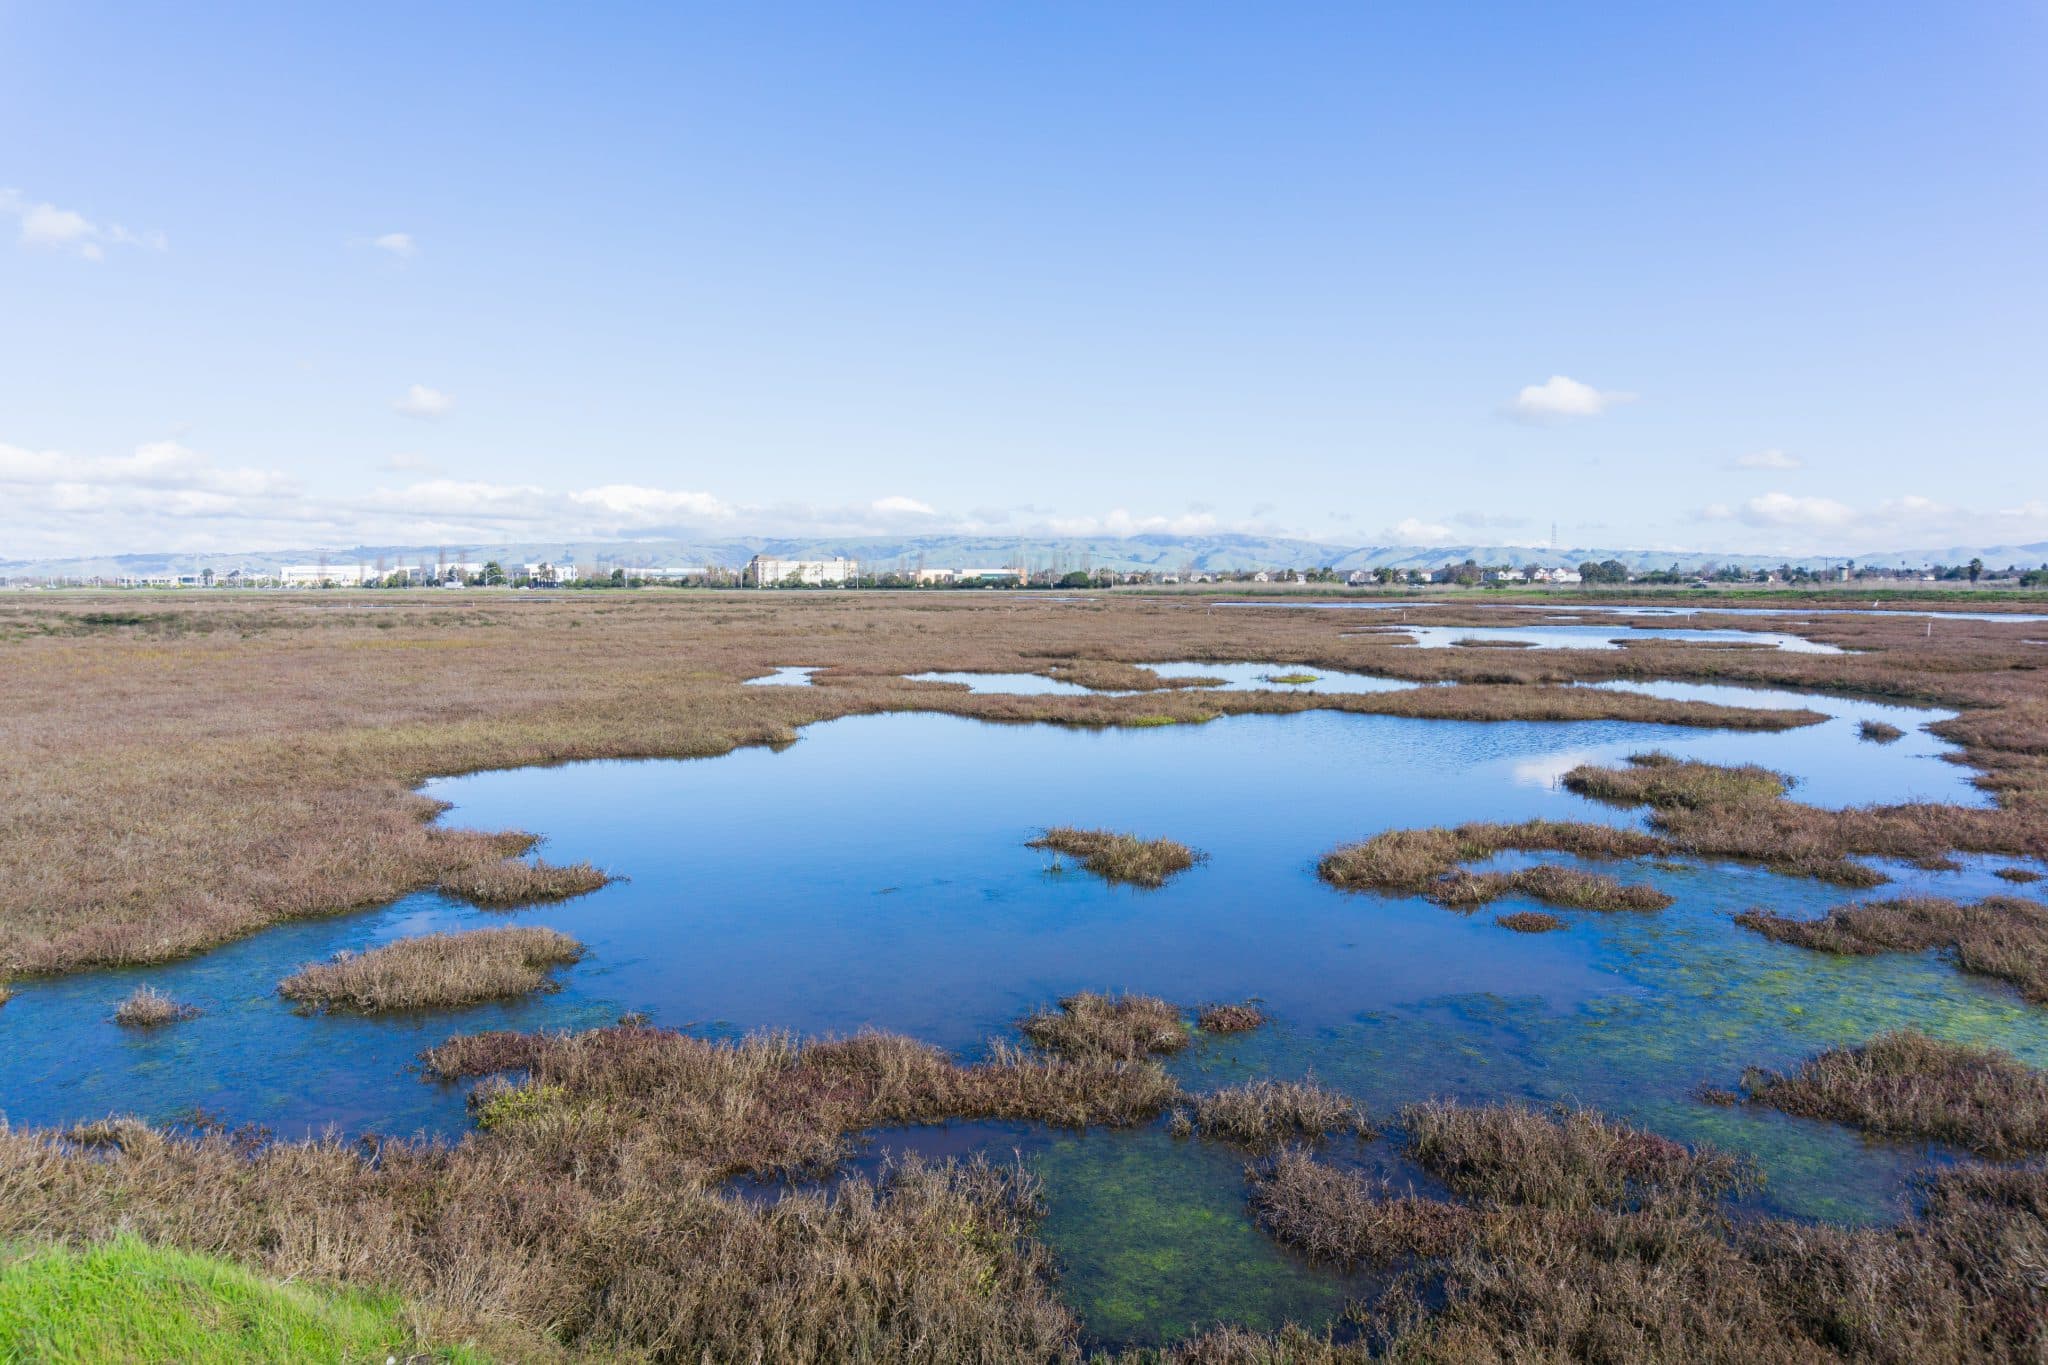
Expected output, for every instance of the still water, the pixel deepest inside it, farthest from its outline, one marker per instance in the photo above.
(875, 874)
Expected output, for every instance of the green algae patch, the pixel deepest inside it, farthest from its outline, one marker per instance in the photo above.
(1155, 1243)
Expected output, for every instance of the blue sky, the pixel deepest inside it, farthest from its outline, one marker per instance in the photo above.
(1741, 276)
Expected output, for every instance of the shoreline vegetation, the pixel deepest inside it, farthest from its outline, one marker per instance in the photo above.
(435, 971)
(1121, 858)
(1552, 1228)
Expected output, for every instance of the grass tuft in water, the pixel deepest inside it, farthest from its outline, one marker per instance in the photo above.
(1660, 781)
(1242, 1017)
(1121, 857)
(435, 970)
(1262, 1115)
(149, 1007)
(1529, 921)
(1122, 1028)
(1906, 1085)
(1880, 732)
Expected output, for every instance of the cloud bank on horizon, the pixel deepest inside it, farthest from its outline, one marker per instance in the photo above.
(165, 496)
(1026, 274)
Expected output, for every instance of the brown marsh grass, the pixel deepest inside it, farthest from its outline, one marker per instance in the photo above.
(1907, 1085)
(1665, 1277)
(1660, 781)
(188, 768)
(593, 1218)
(1426, 862)
(509, 883)
(1121, 857)
(1262, 1115)
(1567, 1159)
(1565, 887)
(1880, 732)
(1241, 1017)
(148, 1007)
(432, 971)
(2002, 937)
(2018, 876)
(1529, 921)
(1119, 1028)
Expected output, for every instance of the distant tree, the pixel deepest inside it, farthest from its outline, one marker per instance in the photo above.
(494, 574)
(1976, 569)
(1076, 579)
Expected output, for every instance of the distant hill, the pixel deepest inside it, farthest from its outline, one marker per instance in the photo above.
(1162, 553)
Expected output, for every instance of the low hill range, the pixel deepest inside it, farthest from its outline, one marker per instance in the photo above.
(1163, 553)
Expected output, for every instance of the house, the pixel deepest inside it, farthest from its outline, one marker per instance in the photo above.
(1357, 578)
(1262, 577)
(764, 572)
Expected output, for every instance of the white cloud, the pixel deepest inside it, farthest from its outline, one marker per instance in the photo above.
(423, 402)
(399, 244)
(1766, 459)
(49, 228)
(1415, 531)
(408, 462)
(1783, 509)
(1121, 522)
(899, 506)
(1559, 397)
(636, 506)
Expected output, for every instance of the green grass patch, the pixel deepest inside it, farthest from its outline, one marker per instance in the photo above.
(125, 1300)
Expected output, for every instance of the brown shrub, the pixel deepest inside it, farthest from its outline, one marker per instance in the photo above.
(2003, 937)
(1263, 1114)
(1529, 921)
(148, 1007)
(2018, 876)
(1568, 1159)
(513, 882)
(1117, 1027)
(1661, 781)
(1880, 732)
(1905, 1084)
(1121, 857)
(1224, 1018)
(435, 970)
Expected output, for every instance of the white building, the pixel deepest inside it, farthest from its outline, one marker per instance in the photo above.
(547, 573)
(763, 572)
(324, 575)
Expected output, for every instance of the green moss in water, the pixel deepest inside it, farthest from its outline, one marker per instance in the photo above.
(1155, 1242)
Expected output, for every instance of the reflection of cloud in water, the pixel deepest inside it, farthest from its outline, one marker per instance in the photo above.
(1547, 770)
